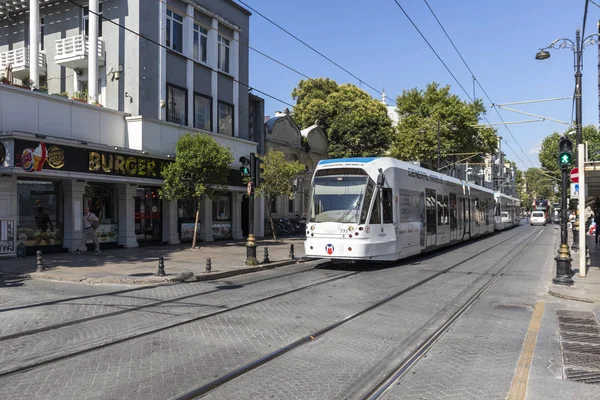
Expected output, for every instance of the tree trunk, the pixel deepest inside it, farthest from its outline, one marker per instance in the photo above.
(271, 220)
(196, 225)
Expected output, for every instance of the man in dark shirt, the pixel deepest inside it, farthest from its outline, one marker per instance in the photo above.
(42, 220)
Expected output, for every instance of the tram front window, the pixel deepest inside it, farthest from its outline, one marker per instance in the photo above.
(337, 198)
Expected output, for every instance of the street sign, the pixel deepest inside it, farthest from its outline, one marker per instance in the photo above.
(249, 188)
(575, 175)
(574, 190)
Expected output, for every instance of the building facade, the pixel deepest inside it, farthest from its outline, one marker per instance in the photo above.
(107, 109)
(307, 146)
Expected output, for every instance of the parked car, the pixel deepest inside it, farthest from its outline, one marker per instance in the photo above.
(537, 218)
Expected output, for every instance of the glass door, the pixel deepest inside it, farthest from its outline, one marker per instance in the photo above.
(148, 218)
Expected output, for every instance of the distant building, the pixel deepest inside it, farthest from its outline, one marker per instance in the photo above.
(391, 111)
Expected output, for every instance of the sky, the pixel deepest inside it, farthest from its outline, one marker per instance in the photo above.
(376, 42)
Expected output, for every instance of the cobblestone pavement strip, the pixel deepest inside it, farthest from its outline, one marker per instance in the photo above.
(346, 362)
(159, 365)
(19, 318)
(29, 350)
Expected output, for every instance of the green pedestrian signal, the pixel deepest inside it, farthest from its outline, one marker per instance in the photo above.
(565, 152)
(245, 168)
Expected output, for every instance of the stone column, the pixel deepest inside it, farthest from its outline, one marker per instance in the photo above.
(34, 46)
(169, 222)
(236, 216)
(126, 194)
(206, 233)
(73, 213)
(93, 52)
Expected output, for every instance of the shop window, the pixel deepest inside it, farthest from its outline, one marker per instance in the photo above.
(148, 217)
(40, 213)
(186, 212)
(222, 217)
(101, 198)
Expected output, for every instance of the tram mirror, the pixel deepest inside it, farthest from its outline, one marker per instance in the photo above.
(380, 179)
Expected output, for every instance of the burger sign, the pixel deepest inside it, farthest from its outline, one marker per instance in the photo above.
(33, 160)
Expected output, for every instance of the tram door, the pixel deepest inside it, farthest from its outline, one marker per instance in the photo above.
(453, 219)
(431, 217)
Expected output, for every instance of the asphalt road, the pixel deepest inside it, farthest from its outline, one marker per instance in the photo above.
(69, 341)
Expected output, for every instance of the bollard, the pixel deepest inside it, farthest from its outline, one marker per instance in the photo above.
(208, 265)
(266, 256)
(40, 261)
(292, 252)
(161, 267)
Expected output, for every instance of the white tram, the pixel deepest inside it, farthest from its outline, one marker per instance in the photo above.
(383, 209)
(508, 211)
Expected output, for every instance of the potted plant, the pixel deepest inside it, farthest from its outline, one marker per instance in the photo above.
(43, 89)
(3, 79)
(61, 94)
(80, 96)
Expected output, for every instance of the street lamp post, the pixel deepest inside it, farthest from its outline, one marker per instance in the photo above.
(577, 48)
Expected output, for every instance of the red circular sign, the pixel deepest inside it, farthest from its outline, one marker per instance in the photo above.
(575, 175)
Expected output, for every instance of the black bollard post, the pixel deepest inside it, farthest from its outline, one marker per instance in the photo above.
(266, 256)
(40, 261)
(161, 267)
(208, 265)
(292, 252)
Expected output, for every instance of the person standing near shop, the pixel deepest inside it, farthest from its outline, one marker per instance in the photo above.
(90, 224)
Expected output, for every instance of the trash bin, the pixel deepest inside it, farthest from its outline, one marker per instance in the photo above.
(21, 250)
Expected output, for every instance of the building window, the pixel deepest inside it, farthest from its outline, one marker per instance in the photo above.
(174, 31)
(42, 25)
(202, 112)
(223, 61)
(221, 226)
(273, 205)
(290, 205)
(200, 43)
(225, 119)
(176, 105)
(85, 20)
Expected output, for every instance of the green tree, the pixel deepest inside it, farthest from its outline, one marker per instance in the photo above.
(356, 124)
(539, 185)
(200, 169)
(548, 155)
(278, 175)
(422, 111)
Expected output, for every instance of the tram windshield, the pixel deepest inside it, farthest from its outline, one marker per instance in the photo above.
(338, 198)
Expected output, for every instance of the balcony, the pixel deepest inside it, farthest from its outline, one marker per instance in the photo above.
(72, 52)
(18, 60)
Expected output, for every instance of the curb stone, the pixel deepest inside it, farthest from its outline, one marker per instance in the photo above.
(568, 297)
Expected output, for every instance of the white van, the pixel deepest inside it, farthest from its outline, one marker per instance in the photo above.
(537, 218)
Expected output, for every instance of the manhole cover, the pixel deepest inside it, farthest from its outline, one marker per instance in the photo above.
(579, 328)
(578, 375)
(581, 348)
(580, 338)
(581, 360)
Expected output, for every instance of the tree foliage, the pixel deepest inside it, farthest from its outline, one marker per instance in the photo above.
(422, 111)
(548, 155)
(539, 186)
(356, 124)
(201, 168)
(278, 175)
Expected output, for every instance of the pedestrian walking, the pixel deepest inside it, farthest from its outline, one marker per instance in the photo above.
(597, 222)
(90, 224)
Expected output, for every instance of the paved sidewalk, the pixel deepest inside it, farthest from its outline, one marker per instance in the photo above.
(585, 289)
(139, 265)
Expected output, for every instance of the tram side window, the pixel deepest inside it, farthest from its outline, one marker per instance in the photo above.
(453, 211)
(446, 218)
(440, 209)
(388, 217)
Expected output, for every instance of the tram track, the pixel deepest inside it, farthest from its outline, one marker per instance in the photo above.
(183, 321)
(400, 370)
(247, 368)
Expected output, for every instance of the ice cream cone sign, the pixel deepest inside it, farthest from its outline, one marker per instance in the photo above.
(33, 160)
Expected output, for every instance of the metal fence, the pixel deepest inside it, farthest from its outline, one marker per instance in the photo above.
(8, 236)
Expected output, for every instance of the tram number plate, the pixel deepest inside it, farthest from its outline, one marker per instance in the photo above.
(344, 230)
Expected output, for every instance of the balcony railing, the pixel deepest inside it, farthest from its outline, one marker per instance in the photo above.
(18, 60)
(72, 52)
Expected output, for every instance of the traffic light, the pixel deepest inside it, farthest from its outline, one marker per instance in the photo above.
(565, 152)
(245, 168)
(258, 172)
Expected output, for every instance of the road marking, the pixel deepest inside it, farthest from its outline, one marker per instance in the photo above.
(538, 235)
(518, 387)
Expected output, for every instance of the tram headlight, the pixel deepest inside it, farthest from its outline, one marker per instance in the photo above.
(350, 228)
(312, 227)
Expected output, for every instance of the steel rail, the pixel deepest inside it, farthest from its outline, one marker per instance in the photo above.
(205, 389)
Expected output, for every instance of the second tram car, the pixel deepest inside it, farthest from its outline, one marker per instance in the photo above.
(508, 211)
(383, 209)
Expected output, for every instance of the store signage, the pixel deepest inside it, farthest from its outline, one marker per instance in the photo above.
(34, 156)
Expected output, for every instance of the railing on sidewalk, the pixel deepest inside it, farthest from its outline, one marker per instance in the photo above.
(8, 237)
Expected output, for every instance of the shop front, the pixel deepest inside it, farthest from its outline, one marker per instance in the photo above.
(148, 222)
(102, 199)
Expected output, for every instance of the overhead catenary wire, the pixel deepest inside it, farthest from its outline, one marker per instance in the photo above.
(475, 80)
(451, 73)
(182, 55)
(317, 51)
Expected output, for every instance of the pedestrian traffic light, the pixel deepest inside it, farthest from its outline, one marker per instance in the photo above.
(565, 152)
(245, 168)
